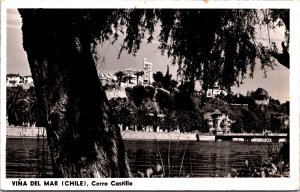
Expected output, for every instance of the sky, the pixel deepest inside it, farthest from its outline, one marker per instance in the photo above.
(276, 83)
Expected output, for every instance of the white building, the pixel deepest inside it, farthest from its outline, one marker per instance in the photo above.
(147, 72)
(215, 91)
(107, 78)
(131, 77)
(28, 80)
(218, 122)
(14, 80)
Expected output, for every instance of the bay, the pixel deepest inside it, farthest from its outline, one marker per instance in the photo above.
(25, 158)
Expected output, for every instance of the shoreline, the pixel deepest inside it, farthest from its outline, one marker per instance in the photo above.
(164, 136)
(35, 132)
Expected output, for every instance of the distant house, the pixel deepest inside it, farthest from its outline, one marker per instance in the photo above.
(262, 102)
(14, 80)
(27, 81)
(218, 122)
(215, 91)
(107, 78)
(130, 77)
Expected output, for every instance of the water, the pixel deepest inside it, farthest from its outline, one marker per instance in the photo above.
(179, 159)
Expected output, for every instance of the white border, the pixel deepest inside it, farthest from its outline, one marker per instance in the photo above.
(291, 183)
(3, 97)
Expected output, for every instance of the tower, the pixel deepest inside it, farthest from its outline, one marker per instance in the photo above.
(147, 71)
(216, 115)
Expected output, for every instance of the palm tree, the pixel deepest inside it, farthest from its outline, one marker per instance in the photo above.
(127, 78)
(183, 120)
(169, 121)
(19, 113)
(138, 74)
(173, 84)
(18, 109)
(143, 118)
(120, 75)
(126, 117)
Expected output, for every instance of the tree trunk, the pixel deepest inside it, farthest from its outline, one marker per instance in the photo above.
(83, 139)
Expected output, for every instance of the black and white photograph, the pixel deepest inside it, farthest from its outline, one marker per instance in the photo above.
(136, 93)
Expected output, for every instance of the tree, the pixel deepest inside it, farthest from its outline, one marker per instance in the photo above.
(143, 118)
(167, 79)
(158, 77)
(169, 121)
(173, 84)
(237, 126)
(83, 140)
(260, 94)
(191, 121)
(138, 74)
(164, 81)
(221, 53)
(21, 106)
(126, 115)
(251, 122)
(138, 94)
(120, 75)
(164, 99)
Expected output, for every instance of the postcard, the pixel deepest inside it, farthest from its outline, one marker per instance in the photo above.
(150, 95)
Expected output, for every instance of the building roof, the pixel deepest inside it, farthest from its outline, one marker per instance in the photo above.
(13, 75)
(216, 112)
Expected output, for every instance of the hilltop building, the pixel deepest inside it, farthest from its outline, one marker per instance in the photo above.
(147, 72)
(131, 77)
(107, 78)
(262, 101)
(215, 91)
(14, 80)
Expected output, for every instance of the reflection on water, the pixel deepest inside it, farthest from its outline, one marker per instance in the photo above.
(25, 157)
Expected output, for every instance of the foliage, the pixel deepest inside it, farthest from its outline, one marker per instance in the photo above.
(188, 103)
(278, 122)
(164, 81)
(22, 106)
(158, 77)
(120, 75)
(150, 92)
(123, 112)
(274, 162)
(191, 121)
(169, 163)
(260, 94)
(139, 94)
(169, 121)
(255, 121)
(164, 99)
(220, 53)
(142, 118)
(237, 126)
(138, 74)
